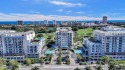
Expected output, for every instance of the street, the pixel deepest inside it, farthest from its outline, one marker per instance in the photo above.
(63, 67)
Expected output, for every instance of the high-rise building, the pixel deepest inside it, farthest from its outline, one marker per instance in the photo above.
(39, 23)
(54, 22)
(104, 19)
(62, 22)
(109, 41)
(20, 22)
(64, 38)
(32, 23)
(18, 45)
(46, 22)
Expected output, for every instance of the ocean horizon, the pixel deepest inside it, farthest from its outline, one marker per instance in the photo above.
(58, 22)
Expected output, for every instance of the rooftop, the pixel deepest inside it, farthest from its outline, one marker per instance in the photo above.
(36, 40)
(93, 40)
(113, 28)
(14, 33)
(64, 29)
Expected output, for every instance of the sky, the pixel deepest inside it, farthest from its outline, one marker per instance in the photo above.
(31, 10)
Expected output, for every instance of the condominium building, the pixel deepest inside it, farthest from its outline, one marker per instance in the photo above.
(109, 41)
(64, 38)
(20, 22)
(46, 22)
(18, 45)
(104, 19)
(54, 22)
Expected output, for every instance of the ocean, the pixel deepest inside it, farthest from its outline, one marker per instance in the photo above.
(50, 22)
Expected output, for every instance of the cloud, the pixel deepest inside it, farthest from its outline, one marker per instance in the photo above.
(68, 4)
(60, 10)
(40, 17)
(68, 12)
(80, 12)
(34, 12)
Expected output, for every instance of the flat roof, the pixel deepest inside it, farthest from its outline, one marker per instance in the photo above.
(49, 52)
(36, 40)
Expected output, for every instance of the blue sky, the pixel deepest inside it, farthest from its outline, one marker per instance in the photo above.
(61, 9)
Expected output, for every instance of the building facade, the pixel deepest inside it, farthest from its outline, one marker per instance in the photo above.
(46, 22)
(20, 22)
(18, 45)
(64, 38)
(104, 19)
(109, 41)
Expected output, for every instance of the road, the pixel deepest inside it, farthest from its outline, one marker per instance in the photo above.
(63, 67)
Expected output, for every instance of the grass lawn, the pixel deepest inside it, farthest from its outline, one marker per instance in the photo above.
(123, 67)
(121, 62)
(2, 68)
(84, 32)
(45, 35)
(79, 33)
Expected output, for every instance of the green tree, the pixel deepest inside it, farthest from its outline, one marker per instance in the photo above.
(2, 61)
(98, 61)
(87, 68)
(33, 60)
(13, 27)
(75, 28)
(40, 35)
(35, 68)
(41, 60)
(99, 67)
(105, 59)
(13, 64)
(59, 60)
(27, 61)
(15, 67)
(76, 69)
(67, 60)
(26, 29)
(79, 57)
(112, 65)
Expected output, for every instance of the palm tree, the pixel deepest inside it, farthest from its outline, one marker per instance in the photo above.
(87, 68)
(79, 57)
(15, 67)
(2, 61)
(35, 68)
(99, 67)
(98, 61)
(13, 64)
(105, 59)
(76, 69)
(112, 66)
(27, 61)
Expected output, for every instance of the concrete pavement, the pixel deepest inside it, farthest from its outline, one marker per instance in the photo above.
(63, 67)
